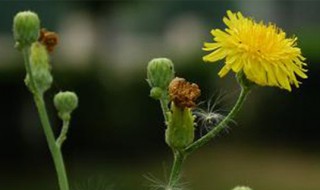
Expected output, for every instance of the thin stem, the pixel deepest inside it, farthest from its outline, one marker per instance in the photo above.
(26, 54)
(222, 125)
(176, 168)
(63, 134)
(164, 106)
(54, 149)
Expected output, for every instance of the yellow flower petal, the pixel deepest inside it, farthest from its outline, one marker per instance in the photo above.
(215, 56)
(223, 71)
(210, 46)
(263, 52)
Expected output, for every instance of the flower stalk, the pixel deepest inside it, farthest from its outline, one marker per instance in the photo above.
(26, 29)
(54, 148)
(222, 125)
(63, 134)
(179, 158)
(164, 107)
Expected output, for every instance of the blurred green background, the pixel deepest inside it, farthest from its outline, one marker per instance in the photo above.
(116, 138)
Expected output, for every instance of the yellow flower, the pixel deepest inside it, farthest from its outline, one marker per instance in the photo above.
(261, 51)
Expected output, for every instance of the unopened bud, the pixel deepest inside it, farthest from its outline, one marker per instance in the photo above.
(160, 72)
(65, 103)
(26, 27)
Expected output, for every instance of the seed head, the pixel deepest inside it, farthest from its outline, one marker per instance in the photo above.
(183, 93)
(48, 39)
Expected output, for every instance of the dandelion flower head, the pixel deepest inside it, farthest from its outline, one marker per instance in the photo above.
(262, 52)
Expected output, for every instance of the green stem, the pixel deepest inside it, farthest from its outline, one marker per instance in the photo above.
(54, 149)
(26, 55)
(179, 157)
(222, 125)
(63, 134)
(164, 106)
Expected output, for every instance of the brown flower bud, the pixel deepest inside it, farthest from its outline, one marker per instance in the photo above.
(183, 93)
(48, 39)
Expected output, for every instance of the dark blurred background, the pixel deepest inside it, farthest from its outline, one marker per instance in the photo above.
(116, 137)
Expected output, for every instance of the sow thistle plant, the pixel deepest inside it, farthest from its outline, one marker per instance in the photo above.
(259, 54)
(35, 44)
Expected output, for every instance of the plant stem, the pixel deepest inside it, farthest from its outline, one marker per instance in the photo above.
(164, 106)
(179, 157)
(63, 134)
(53, 147)
(222, 125)
(26, 54)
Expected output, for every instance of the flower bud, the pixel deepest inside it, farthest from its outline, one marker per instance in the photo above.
(65, 103)
(26, 27)
(242, 188)
(156, 93)
(180, 130)
(40, 68)
(160, 72)
(39, 56)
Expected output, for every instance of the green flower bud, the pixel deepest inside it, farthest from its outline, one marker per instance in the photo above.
(65, 103)
(156, 93)
(180, 130)
(26, 28)
(40, 68)
(39, 56)
(242, 188)
(160, 72)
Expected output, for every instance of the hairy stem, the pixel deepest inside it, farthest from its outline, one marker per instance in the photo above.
(63, 134)
(54, 148)
(164, 106)
(179, 157)
(26, 55)
(222, 125)
(42, 111)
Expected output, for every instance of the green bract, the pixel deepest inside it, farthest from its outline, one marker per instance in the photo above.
(156, 93)
(180, 131)
(40, 68)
